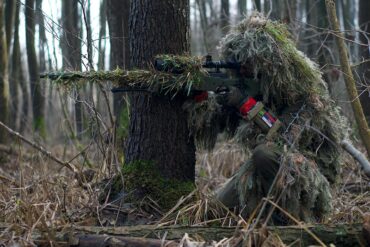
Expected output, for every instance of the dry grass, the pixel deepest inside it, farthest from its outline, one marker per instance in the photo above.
(215, 167)
(36, 194)
(352, 200)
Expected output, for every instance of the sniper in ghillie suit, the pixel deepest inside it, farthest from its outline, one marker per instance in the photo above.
(287, 122)
(270, 98)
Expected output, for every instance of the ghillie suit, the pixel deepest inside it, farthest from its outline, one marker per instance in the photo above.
(307, 144)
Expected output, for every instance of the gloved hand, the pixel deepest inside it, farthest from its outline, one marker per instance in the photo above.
(230, 96)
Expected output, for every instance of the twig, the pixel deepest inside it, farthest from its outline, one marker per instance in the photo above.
(360, 157)
(106, 98)
(40, 148)
(297, 222)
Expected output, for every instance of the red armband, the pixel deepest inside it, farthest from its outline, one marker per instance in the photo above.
(201, 97)
(247, 106)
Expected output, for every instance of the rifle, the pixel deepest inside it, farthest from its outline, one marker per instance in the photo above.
(213, 80)
(210, 82)
(216, 80)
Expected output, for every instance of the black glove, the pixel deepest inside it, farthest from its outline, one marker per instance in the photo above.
(230, 96)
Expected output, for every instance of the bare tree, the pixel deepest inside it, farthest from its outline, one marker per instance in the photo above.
(118, 12)
(102, 34)
(364, 21)
(4, 84)
(158, 129)
(33, 68)
(225, 16)
(71, 50)
(242, 9)
(18, 120)
(10, 7)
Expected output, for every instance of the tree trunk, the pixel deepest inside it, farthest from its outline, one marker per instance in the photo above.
(204, 24)
(364, 21)
(10, 8)
(71, 50)
(118, 12)
(42, 36)
(348, 77)
(4, 84)
(102, 34)
(258, 5)
(101, 48)
(225, 16)
(89, 35)
(19, 113)
(158, 129)
(242, 9)
(33, 68)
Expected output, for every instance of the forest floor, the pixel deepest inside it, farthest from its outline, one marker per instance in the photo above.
(37, 195)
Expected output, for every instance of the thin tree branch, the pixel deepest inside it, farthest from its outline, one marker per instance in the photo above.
(47, 153)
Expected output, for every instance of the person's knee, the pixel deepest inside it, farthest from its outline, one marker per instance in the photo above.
(265, 160)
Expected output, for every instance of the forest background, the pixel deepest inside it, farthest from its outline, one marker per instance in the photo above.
(79, 38)
(76, 123)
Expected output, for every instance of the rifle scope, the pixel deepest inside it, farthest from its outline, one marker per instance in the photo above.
(161, 65)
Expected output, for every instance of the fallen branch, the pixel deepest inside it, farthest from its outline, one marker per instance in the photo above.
(356, 187)
(108, 241)
(357, 155)
(40, 148)
(339, 234)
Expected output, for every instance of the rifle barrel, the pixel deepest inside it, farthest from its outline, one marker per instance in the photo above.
(220, 65)
(161, 65)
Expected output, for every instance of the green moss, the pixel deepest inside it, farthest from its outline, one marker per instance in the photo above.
(144, 179)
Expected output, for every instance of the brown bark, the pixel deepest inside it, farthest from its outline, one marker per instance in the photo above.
(364, 21)
(158, 126)
(348, 77)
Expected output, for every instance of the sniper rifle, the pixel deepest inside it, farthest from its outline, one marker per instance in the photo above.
(219, 82)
